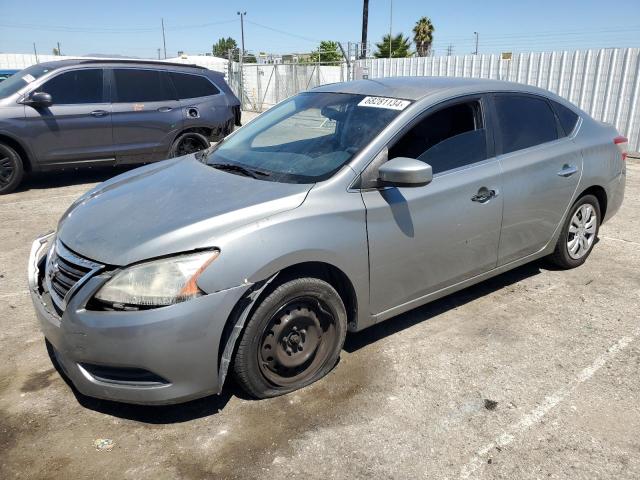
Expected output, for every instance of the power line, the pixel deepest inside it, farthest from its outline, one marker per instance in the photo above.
(114, 30)
(315, 40)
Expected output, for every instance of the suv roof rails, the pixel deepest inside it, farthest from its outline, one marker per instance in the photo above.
(137, 61)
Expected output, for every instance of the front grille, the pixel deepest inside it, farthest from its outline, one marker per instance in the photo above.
(65, 272)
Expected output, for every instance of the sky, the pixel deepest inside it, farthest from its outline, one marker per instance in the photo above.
(133, 27)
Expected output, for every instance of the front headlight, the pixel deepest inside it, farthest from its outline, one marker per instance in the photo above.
(159, 282)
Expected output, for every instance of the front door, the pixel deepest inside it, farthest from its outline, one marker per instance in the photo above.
(423, 239)
(147, 115)
(77, 126)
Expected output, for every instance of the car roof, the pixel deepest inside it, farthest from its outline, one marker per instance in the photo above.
(415, 88)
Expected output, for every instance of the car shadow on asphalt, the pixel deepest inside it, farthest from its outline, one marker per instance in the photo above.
(377, 332)
(70, 177)
(213, 404)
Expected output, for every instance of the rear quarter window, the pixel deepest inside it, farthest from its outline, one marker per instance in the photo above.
(524, 121)
(193, 86)
(567, 117)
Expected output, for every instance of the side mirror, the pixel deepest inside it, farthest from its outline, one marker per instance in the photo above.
(39, 99)
(405, 172)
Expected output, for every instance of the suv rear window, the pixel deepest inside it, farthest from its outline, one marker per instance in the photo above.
(193, 86)
(141, 86)
(568, 118)
(524, 121)
(75, 87)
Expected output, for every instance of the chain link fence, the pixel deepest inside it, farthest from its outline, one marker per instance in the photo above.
(261, 86)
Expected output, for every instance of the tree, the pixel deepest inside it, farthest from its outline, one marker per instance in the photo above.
(423, 36)
(56, 52)
(221, 48)
(327, 52)
(400, 46)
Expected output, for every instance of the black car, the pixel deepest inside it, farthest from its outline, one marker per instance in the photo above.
(72, 113)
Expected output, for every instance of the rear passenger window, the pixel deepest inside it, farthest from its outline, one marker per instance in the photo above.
(449, 138)
(193, 86)
(567, 117)
(524, 121)
(75, 87)
(141, 86)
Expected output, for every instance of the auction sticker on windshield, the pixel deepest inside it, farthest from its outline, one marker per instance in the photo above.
(384, 102)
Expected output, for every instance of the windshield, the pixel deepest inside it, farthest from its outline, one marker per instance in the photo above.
(21, 79)
(305, 139)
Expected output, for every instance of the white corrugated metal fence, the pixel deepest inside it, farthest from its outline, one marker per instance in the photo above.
(605, 83)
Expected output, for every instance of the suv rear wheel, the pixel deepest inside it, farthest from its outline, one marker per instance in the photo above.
(187, 143)
(11, 169)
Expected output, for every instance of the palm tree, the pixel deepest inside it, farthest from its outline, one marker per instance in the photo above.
(423, 36)
(400, 46)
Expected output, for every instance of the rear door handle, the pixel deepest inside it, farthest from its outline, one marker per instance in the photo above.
(165, 109)
(99, 113)
(484, 195)
(567, 170)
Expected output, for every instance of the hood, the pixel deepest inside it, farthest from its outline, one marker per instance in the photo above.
(169, 207)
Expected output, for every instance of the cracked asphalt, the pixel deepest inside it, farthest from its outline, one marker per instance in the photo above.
(533, 374)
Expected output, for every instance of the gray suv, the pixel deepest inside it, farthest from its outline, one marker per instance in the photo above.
(108, 112)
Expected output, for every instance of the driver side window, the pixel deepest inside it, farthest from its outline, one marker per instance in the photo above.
(449, 138)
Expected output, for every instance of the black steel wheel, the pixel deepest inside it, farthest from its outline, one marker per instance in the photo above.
(293, 338)
(188, 143)
(11, 169)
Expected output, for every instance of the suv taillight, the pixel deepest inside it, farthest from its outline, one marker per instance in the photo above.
(622, 143)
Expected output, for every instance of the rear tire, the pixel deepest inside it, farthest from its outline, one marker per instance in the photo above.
(11, 169)
(579, 234)
(293, 338)
(188, 143)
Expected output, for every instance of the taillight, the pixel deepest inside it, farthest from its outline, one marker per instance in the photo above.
(622, 143)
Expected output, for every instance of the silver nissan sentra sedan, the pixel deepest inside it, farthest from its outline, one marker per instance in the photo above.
(336, 209)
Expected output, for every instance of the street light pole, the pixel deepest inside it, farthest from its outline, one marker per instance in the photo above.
(164, 43)
(476, 34)
(242, 14)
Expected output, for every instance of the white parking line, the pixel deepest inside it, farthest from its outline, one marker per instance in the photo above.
(537, 414)
(14, 294)
(619, 240)
(46, 199)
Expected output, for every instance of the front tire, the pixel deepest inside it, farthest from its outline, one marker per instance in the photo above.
(11, 169)
(293, 338)
(579, 233)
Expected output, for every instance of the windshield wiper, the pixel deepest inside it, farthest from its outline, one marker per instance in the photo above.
(234, 167)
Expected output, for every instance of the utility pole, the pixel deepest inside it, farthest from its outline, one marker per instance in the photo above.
(390, 26)
(476, 34)
(35, 52)
(158, 54)
(449, 50)
(242, 14)
(164, 42)
(59, 51)
(365, 22)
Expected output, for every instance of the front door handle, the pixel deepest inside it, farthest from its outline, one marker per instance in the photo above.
(165, 109)
(484, 195)
(99, 113)
(567, 170)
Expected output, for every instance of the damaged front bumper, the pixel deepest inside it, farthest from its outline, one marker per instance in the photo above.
(155, 356)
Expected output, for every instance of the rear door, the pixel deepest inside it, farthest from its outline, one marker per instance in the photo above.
(146, 114)
(77, 126)
(541, 171)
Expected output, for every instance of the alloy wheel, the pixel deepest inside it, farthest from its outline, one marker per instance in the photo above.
(7, 170)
